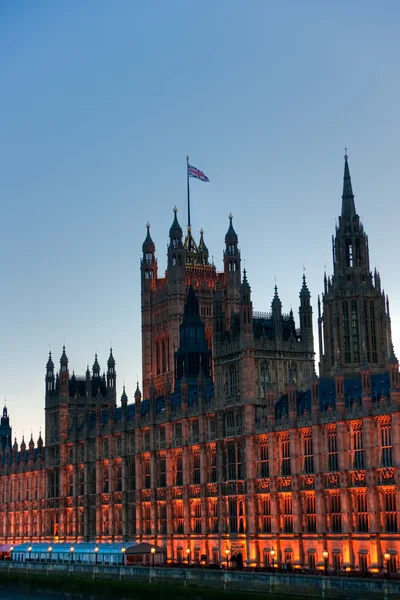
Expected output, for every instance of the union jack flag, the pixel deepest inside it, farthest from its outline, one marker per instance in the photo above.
(193, 172)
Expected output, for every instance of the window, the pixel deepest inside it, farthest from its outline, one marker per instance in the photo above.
(332, 449)
(81, 481)
(373, 333)
(195, 431)
(147, 519)
(311, 517)
(285, 455)
(264, 462)
(354, 331)
(211, 434)
(362, 512)
(230, 423)
(162, 517)
(178, 434)
(389, 501)
(147, 473)
(311, 561)
(213, 466)
(162, 472)
(178, 517)
(336, 561)
(236, 515)
(265, 379)
(358, 446)
(179, 471)
(308, 452)
(363, 563)
(118, 477)
(234, 461)
(335, 513)
(265, 514)
(105, 479)
(214, 517)
(196, 467)
(233, 382)
(346, 331)
(386, 441)
(287, 514)
(197, 517)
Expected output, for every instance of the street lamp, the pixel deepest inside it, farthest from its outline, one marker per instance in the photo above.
(11, 549)
(153, 551)
(227, 559)
(96, 550)
(30, 550)
(49, 550)
(325, 556)
(386, 556)
(273, 554)
(72, 553)
(188, 556)
(123, 550)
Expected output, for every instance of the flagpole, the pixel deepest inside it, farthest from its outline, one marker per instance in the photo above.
(188, 189)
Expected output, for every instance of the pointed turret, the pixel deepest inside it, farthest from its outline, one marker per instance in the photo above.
(148, 246)
(246, 309)
(64, 374)
(96, 367)
(63, 361)
(175, 232)
(124, 399)
(203, 250)
(111, 375)
(31, 448)
(5, 429)
(348, 206)
(50, 379)
(306, 321)
(231, 238)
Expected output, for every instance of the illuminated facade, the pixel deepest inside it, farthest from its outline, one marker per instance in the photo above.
(237, 447)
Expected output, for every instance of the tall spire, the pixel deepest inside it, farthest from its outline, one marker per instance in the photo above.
(348, 206)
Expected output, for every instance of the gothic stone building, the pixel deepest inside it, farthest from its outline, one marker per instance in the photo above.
(237, 448)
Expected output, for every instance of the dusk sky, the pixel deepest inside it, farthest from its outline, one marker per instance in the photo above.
(101, 101)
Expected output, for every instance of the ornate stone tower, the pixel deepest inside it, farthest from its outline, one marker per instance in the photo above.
(163, 298)
(355, 324)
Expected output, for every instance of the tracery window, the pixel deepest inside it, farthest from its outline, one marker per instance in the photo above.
(390, 506)
(287, 506)
(386, 442)
(354, 331)
(265, 514)
(285, 454)
(335, 513)
(234, 461)
(264, 379)
(332, 449)
(346, 332)
(308, 457)
(264, 459)
(362, 512)
(358, 446)
(196, 467)
(311, 516)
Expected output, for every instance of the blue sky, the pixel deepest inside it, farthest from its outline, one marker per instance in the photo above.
(101, 101)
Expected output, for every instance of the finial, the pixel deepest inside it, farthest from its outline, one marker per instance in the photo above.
(345, 154)
(148, 225)
(175, 209)
(187, 157)
(230, 216)
(201, 231)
